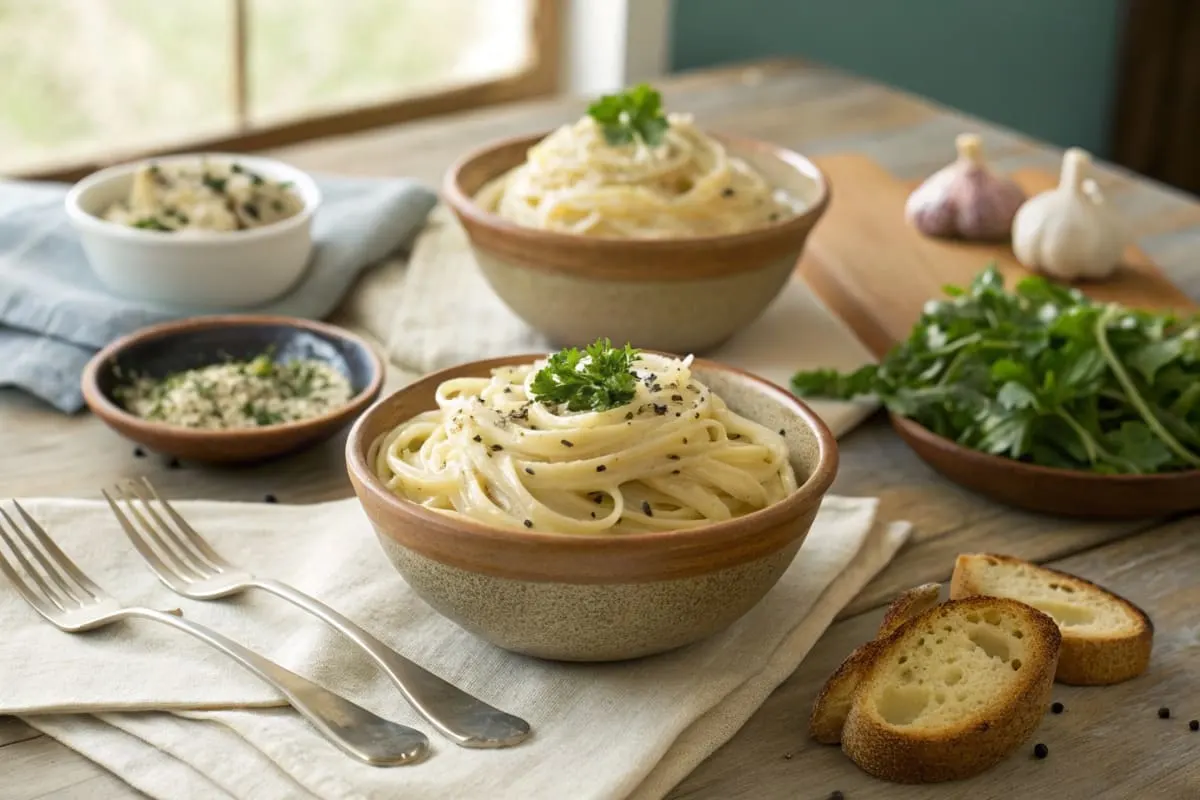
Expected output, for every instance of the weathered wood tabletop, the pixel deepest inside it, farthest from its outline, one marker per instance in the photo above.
(1109, 743)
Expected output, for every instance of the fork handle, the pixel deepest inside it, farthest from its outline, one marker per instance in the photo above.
(464, 719)
(352, 728)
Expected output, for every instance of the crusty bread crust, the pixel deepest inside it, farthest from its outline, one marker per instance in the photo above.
(1086, 659)
(911, 754)
(833, 701)
(907, 605)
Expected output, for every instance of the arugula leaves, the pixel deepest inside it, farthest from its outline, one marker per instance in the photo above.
(633, 114)
(597, 379)
(1044, 375)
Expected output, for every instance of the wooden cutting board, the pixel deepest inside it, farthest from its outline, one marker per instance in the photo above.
(876, 272)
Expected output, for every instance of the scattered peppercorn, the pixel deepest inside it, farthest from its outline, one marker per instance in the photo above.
(782, 432)
(139, 452)
(477, 438)
(1194, 725)
(672, 456)
(497, 448)
(1040, 750)
(678, 398)
(601, 468)
(270, 498)
(528, 523)
(1164, 713)
(174, 464)
(1057, 708)
(838, 794)
(529, 470)
(727, 192)
(660, 410)
(649, 512)
(787, 756)
(566, 443)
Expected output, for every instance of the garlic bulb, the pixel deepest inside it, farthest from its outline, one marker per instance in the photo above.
(965, 200)
(1069, 232)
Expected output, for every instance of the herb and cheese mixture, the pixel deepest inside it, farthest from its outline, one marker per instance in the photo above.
(206, 196)
(238, 394)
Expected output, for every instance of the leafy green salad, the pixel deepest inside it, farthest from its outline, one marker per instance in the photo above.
(1042, 374)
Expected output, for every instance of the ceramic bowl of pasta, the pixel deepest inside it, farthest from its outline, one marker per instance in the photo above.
(232, 388)
(211, 231)
(675, 242)
(591, 506)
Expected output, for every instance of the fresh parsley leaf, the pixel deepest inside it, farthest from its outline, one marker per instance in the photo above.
(1040, 373)
(633, 114)
(598, 379)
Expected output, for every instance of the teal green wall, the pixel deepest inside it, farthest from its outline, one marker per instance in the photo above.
(1042, 67)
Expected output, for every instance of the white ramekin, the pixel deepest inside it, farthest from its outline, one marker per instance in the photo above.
(205, 270)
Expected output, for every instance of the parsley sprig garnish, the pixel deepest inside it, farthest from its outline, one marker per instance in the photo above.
(633, 114)
(1044, 375)
(597, 379)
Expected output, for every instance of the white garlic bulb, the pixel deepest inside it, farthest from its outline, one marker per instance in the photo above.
(1069, 232)
(965, 200)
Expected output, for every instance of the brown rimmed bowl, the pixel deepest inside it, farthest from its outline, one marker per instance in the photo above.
(596, 598)
(159, 350)
(684, 295)
(1048, 490)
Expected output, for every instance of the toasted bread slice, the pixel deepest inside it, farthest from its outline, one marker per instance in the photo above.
(833, 701)
(953, 691)
(1106, 638)
(907, 605)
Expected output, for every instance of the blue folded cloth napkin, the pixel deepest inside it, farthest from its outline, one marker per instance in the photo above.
(55, 314)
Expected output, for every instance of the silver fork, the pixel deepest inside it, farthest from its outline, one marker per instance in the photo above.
(70, 601)
(189, 566)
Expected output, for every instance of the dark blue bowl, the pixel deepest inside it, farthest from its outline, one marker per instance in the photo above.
(160, 350)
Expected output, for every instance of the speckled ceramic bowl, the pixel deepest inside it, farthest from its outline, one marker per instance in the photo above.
(682, 295)
(603, 598)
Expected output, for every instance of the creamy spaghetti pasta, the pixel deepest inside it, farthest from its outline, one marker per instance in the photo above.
(674, 457)
(574, 181)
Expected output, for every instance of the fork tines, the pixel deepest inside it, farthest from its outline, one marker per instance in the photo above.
(58, 585)
(169, 547)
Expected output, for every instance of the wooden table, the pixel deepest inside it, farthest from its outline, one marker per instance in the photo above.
(1109, 744)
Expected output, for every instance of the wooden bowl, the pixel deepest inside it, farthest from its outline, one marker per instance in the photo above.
(596, 598)
(160, 350)
(1065, 492)
(680, 295)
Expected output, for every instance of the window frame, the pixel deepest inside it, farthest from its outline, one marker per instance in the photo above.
(539, 77)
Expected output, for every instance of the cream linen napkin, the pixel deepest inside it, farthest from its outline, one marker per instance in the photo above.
(602, 731)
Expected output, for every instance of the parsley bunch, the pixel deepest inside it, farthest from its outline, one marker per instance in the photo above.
(1044, 375)
(597, 379)
(630, 115)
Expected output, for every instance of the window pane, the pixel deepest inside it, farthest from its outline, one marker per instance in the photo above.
(84, 78)
(317, 56)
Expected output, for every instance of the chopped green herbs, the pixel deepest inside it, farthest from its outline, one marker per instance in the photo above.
(597, 379)
(238, 394)
(633, 114)
(214, 183)
(150, 224)
(1044, 375)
